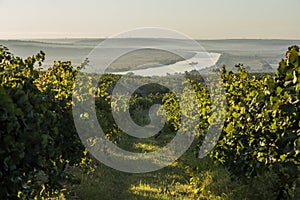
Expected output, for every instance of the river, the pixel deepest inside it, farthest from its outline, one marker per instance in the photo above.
(201, 60)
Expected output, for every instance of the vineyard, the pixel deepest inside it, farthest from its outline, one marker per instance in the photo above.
(257, 155)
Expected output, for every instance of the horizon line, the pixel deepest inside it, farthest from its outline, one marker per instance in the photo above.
(66, 38)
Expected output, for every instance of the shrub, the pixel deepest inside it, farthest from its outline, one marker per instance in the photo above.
(37, 135)
(261, 131)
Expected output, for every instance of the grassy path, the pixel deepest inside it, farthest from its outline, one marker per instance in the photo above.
(186, 179)
(172, 182)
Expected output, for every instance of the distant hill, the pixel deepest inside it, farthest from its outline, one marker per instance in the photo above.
(256, 55)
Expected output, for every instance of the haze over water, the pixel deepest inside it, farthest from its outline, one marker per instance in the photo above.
(258, 55)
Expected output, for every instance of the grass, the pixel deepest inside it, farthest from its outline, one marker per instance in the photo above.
(187, 178)
(172, 182)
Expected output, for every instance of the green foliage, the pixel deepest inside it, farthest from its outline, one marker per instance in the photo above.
(37, 135)
(262, 130)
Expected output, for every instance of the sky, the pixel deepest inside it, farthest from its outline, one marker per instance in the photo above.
(198, 19)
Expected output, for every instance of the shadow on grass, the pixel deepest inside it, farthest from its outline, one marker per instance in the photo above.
(186, 179)
(171, 182)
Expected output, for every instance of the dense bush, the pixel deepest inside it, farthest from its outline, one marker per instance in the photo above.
(262, 130)
(37, 137)
(261, 133)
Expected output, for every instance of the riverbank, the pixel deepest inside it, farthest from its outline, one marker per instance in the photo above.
(200, 61)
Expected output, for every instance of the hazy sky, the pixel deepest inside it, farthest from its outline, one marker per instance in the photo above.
(199, 19)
